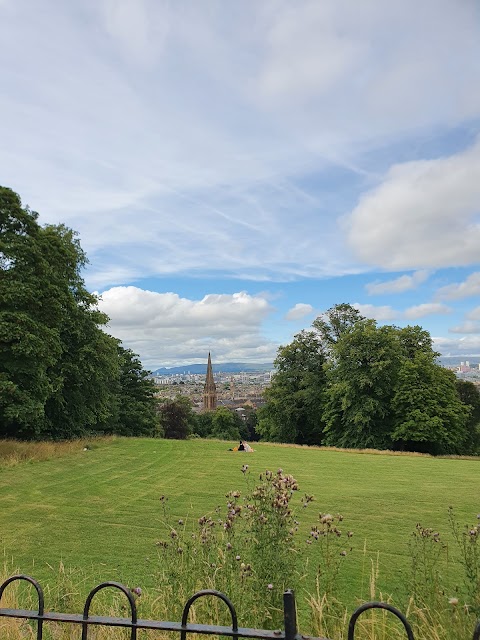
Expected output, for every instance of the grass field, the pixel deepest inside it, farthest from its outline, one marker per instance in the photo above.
(98, 510)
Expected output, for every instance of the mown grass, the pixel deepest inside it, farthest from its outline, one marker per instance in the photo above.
(97, 511)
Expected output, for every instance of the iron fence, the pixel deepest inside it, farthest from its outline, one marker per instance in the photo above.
(290, 631)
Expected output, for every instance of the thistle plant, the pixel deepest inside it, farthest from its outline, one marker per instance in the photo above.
(468, 543)
(247, 549)
(427, 553)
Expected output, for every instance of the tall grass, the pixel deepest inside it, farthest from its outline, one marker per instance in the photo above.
(13, 452)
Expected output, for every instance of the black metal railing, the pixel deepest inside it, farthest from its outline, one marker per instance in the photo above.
(290, 631)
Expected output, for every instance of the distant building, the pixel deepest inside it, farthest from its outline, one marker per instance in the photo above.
(209, 390)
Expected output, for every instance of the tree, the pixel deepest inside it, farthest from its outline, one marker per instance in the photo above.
(226, 424)
(337, 320)
(177, 418)
(361, 382)
(415, 340)
(30, 312)
(428, 413)
(295, 398)
(137, 407)
(203, 424)
(469, 394)
(59, 371)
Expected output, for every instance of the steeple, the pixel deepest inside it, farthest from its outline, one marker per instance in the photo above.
(209, 390)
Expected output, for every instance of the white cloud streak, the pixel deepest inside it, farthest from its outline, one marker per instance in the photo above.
(384, 313)
(175, 136)
(469, 287)
(426, 309)
(398, 285)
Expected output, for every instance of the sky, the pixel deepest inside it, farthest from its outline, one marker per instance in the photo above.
(234, 169)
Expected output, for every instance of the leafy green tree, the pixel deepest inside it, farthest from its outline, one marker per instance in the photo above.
(415, 340)
(59, 371)
(203, 424)
(30, 313)
(361, 383)
(295, 398)
(177, 418)
(469, 394)
(337, 320)
(250, 421)
(137, 404)
(226, 424)
(428, 413)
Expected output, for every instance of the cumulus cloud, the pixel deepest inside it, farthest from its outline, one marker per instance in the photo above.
(426, 309)
(398, 285)
(299, 311)
(164, 328)
(458, 290)
(423, 214)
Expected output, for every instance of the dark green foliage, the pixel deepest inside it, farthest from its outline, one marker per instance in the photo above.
(353, 384)
(428, 414)
(361, 384)
(469, 394)
(177, 419)
(331, 325)
(250, 422)
(295, 399)
(61, 375)
(203, 424)
(137, 410)
(226, 425)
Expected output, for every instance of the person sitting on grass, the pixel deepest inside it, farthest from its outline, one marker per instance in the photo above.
(241, 446)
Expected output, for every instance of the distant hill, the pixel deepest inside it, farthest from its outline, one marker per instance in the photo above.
(226, 367)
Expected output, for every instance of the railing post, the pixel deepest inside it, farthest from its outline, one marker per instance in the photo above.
(290, 614)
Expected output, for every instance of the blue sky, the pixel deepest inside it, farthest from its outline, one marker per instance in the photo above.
(235, 169)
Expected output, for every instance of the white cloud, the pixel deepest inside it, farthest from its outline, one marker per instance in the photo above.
(424, 214)
(466, 346)
(426, 309)
(386, 313)
(469, 326)
(458, 290)
(398, 285)
(164, 328)
(380, 313)
(299, 311)
(474, 314)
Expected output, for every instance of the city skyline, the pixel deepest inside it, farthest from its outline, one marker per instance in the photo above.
(234, 170)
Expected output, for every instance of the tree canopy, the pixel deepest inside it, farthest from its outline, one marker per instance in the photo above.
(351, 383)
(295, 398)
(61, 374)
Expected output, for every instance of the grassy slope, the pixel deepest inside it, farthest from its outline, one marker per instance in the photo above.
(99, 509)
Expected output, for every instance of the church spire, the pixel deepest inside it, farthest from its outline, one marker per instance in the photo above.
(209, 390)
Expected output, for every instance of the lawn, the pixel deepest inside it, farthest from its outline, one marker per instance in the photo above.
(99, 510)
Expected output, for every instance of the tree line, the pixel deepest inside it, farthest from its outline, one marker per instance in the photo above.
(347, 382)
(350, 383)
(61, 374)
